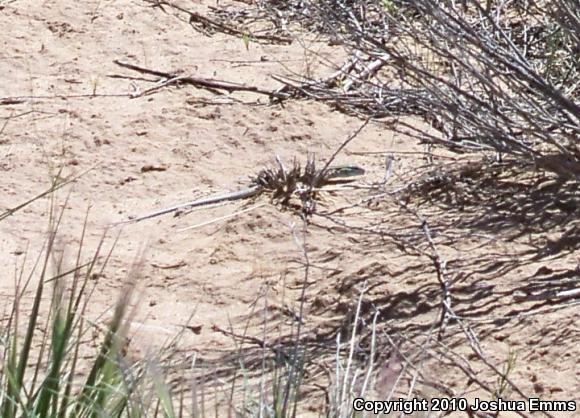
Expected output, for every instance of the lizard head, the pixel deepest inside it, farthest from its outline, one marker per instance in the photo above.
(344, 171)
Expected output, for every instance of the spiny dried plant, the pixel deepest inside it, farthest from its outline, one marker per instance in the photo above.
(284, 183)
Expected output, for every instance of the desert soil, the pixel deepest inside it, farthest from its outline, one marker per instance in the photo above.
(61, 107)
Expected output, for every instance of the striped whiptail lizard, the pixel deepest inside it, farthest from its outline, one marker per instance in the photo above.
(332, 175)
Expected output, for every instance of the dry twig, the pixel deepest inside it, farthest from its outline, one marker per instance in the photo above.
(212, 85)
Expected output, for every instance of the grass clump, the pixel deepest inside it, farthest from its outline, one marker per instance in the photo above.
(44, 349)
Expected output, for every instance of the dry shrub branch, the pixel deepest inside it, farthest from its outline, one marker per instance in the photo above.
(500, 76)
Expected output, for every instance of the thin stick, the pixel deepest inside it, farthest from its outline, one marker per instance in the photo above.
(207, 84)
(231, 215)
(159, 86)
(345, 143)
(55, 186)
(230, 30)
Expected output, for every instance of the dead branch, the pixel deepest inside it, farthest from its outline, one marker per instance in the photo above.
(202, 83)
(210, 25)
(10, 101)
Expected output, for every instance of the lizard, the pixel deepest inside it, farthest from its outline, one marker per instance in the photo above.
(331, 175)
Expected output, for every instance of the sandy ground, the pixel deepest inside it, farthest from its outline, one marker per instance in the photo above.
(60, 107)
